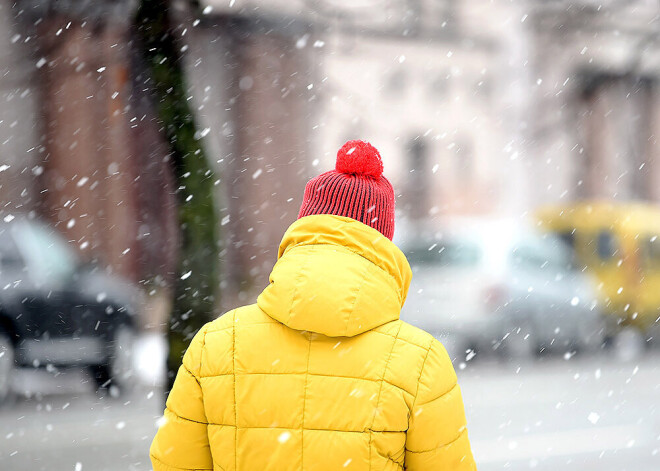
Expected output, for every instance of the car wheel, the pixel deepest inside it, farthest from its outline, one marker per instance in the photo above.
(592, 338)
(6, 366)
(520, 342)
(121, 357)
(115, 375)
(628, 344)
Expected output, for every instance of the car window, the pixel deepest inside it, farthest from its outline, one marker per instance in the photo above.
(49, 256)
(527, 256)
(446, 254)
(10, 257)
(543, 253)
(568, 238)
(606, 245)
(650, 250)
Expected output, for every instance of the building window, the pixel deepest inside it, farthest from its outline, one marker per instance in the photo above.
(418, 187)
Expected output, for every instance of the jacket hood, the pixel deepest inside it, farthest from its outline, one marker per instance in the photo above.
(337, 277)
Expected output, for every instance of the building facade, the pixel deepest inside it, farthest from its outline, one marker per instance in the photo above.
(478, 108)
(498, 107)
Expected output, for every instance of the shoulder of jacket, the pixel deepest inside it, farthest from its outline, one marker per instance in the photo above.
(244, 315)
(420, 356)
(225, 321)
(409, 334)
(207, 349)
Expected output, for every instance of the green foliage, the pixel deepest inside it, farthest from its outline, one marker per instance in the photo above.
(197, 278)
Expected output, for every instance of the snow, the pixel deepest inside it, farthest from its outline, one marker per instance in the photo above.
(508, 131)
(302, 41)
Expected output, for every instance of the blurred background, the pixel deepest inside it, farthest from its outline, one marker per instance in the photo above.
(153, 152)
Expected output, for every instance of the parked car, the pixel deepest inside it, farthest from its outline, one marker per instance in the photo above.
(55, 311)
(496, 286)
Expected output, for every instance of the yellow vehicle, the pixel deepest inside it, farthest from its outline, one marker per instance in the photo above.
(619, 243)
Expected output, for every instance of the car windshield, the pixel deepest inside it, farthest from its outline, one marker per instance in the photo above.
(651, 250)
(9, 255)
(446, 253)
(541, 253)
(606, 245)
(50, 258)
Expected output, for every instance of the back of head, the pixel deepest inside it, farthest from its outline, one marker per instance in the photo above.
(356, 189)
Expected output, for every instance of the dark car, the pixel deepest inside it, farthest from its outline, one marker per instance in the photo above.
(56, 312)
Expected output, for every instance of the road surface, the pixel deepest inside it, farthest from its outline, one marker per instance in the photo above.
(580, 413)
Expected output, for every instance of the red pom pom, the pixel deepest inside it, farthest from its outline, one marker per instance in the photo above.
(361, 158)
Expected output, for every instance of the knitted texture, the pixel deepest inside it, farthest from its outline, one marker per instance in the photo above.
(356, 189)
(359, 158)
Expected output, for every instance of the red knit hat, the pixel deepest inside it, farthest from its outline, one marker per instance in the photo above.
(356, 189)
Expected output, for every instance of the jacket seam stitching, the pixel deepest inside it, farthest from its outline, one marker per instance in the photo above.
(357, 295)
(217, 330)
(297, 286)
(275, 322)
(187, 419)
(392, 459)
(419, 379)
(373, 380)
(403, 340)
(309, 429)
(302, 425)
(380, 390)
(191, 374)
(233, 351)
(169, 467)
(440, 396)
(203, 351)
(460, 434)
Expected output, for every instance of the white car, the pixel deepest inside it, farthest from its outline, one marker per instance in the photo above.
(496, 286)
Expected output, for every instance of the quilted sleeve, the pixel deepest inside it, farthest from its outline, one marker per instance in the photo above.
(437, 433)
(181, 442)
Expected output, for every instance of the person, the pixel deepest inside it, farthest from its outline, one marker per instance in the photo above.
(320, 373)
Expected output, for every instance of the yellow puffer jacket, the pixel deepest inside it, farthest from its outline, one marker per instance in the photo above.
(320, 374)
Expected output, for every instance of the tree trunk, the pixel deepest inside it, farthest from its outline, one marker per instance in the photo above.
(195, 284)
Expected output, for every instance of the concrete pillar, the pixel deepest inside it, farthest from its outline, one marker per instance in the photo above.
(89, 174)
(19, 124)
(652, 143)
(272, 128)
(250, 89)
